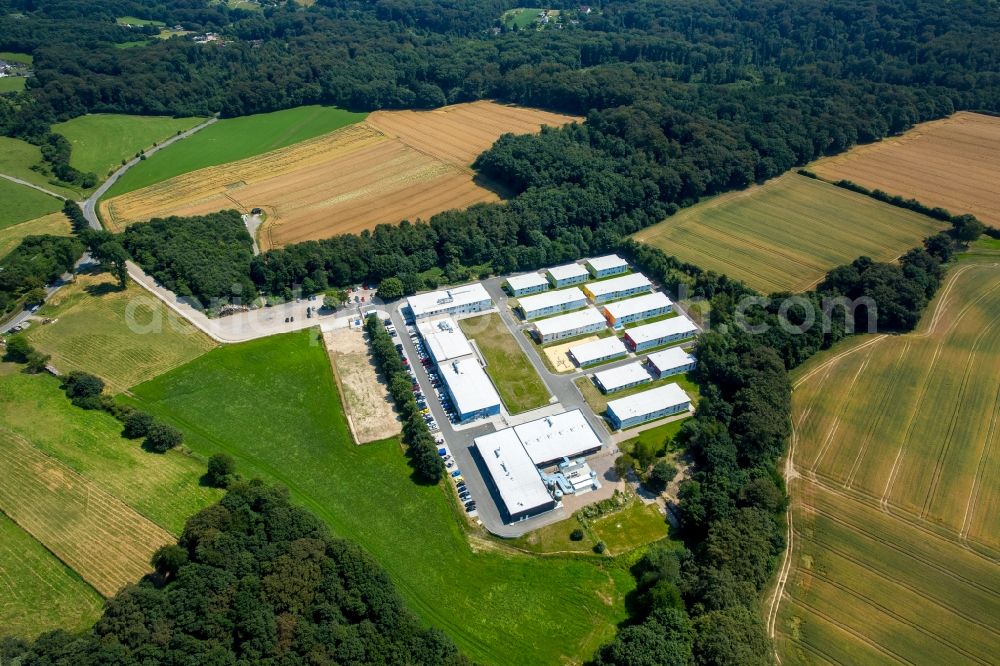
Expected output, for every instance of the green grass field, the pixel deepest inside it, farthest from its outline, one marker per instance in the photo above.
(519, 385)
(234, 139)
(92, 332)
(12, 84)
(164, 488)
(22, 203)
(787, 233)
(272, 404)
(653, 437)
(896, 503)
(40, 593)
(636, 525)
(54, 224)
(101, 141)
(134, 20)
(522, 17)
(16, 159)
(23, 58)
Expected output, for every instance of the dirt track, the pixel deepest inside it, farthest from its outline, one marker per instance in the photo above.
(366, 400)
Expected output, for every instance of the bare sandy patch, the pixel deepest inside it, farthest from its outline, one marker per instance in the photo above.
(559, 357)
(366, 399)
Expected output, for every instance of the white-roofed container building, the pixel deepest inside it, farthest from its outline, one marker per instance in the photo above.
(457, 300)
(672, 361)
(606, 266)
(529, 283)
(637, 309)
(659, 333)
(653, 404)
(619, 287)
(569, 325)
(551, 302)
(622, 377)
(598, 351)
(567, 275)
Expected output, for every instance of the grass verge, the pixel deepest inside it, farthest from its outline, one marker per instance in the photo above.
(519, 385)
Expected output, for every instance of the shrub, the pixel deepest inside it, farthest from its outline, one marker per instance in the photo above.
(82, 385)
(137, 424)
(18, 349)
(600, 547)
(576, 535)
(162, 437)
(221, 468)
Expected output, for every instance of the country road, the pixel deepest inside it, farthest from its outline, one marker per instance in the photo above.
(32, 186)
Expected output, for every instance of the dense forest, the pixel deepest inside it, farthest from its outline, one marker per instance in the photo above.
(253, 580)
(33, 264)
(682, 100)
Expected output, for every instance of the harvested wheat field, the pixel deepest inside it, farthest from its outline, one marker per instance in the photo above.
(894, 553)
(396, 165)
(97, 535)
(952, 163)
(367, 402)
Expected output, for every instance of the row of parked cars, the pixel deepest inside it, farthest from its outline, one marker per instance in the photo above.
(432, 374)
(421, 399)
(456, 475)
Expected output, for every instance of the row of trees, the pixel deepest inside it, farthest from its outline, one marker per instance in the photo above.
(421, 449)
(253, 579)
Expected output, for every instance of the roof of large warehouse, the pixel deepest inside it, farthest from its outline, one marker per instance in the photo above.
(469, 385)
(444, 339)
(514, 474)
(561, 436)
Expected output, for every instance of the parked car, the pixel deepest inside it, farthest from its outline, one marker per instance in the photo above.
(456, 473)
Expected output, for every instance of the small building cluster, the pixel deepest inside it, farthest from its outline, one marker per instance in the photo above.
(636, 309)
(622, 377)
(672, 361)
(567, 276)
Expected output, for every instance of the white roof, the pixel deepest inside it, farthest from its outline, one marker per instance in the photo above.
(637, 305)
(444, 339)
(621, 283)
(606, 262)
(471, 389)
(622, 376)
(514, 475)
(569, 321)
(661, 329)
(553, 437)
(673, 357)
(526, 281)
(437, 301)
(597, 349)
(648, 402)
(551, 299)
(568, 271)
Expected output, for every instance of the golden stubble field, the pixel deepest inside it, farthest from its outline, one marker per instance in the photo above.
(396, 165)
(952, 163)
(895, 484)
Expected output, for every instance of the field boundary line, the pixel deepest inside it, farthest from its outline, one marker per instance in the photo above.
(946, 445)
(977, 482)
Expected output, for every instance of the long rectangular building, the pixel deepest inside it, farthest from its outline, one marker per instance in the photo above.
(672, 361)
(622, 377)
(637, 309)
(567, 275)
(659, 333)
(569, 325)
(471, 390)
(619, 287)
(648, 405)
(457, 300)
(515, 477)
(602, 267)
(444, 340)
(529, 283)
(551, 302)
(552, 438)
(598, 351)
